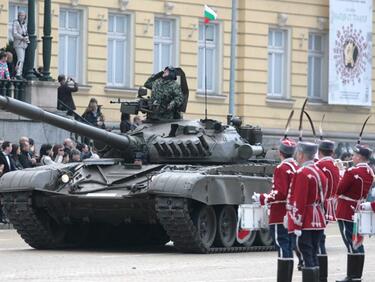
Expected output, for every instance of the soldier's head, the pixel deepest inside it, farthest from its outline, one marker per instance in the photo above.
(287, 148)
(362, 154)
(170, 73)
(326, 148)
(305, 152)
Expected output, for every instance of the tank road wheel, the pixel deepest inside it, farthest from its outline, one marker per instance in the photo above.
(205, 222)
(264, 238)
(226, 226)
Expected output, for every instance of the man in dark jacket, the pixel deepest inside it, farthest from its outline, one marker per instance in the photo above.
(6, 161)
(6, 165)
(64, 94)
(25, 157)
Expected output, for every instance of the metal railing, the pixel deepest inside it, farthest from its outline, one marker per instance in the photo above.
(13, 88)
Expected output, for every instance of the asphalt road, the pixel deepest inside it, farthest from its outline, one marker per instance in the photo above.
(19, 262)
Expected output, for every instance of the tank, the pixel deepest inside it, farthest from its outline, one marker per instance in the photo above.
(178, 180)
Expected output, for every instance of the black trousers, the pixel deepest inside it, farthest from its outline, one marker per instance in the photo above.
(308, 245)
(346, 230)
(322, 245)
(284, 242)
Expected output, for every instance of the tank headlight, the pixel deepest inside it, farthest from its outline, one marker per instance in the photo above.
(65, 178)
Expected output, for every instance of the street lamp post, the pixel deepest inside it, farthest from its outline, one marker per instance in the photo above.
(47, 41)
(30, 51)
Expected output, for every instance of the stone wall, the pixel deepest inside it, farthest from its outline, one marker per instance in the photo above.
(12, 127)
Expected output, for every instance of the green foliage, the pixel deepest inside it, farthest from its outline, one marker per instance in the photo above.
(9, 47)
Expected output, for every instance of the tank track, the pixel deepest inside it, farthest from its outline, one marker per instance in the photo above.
(18, 206)
(174, 215)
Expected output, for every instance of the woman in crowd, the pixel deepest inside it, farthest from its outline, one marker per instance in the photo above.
(15, 156)
(58, 153)
(46, 154)
(93, 114)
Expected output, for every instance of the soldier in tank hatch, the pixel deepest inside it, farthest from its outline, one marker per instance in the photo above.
(166, 96)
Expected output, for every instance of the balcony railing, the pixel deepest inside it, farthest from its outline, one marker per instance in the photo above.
(13, 88)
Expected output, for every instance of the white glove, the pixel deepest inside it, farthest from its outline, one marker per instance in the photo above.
(256, 197)
(365, 206)
(298, 233)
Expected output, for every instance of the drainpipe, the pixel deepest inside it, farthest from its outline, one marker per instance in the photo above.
(233, 46)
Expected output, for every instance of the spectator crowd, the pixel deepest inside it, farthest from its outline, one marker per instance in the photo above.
(15, 156)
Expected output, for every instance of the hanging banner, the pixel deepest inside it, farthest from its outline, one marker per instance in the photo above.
(350, 37)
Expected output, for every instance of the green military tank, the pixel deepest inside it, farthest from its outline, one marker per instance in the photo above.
(177, 180)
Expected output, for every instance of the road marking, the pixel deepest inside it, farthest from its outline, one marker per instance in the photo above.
(333, 236)
(15, 249)
(271, 278)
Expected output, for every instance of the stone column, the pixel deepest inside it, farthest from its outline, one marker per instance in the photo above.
(47, 41)
(30, 51)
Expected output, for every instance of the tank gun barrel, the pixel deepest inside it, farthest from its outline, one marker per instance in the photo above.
(38, 114)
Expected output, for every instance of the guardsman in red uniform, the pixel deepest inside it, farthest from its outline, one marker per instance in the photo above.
(306, 218)
(332, 173)
(352, 191)
(276, 199)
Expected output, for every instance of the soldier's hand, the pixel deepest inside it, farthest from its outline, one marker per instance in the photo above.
(365, 206)
(256, 197)
(298, 233)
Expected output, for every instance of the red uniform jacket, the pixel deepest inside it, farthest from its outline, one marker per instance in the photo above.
(352, 190)
(308, 187)
(282, 179)
(373, 206)
(332, 173)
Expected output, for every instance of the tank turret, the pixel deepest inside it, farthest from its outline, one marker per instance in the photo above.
(175, 141)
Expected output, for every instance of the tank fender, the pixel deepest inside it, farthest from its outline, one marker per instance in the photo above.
(210, 189)
(28, 179)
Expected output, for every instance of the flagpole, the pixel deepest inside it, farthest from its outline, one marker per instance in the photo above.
(205, 71)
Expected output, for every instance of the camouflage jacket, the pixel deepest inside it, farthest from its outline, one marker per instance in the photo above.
(166, 96)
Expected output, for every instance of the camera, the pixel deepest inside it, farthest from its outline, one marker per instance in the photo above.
(27, 37)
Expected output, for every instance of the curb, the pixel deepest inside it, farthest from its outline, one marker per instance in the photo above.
(4, 226)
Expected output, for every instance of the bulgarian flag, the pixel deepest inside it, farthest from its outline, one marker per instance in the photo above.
(209, 14)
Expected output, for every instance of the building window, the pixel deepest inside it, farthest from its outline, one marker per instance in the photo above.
(70, 43)
(208, 57)
(277, 63)
(164, 43)
(118, 51)
(14, 9)
(316, 66)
